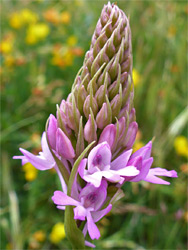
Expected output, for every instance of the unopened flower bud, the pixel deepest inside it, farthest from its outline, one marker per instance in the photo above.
(108, 135)
(90, 130)
(90, 102)
(131, 135)
(51, 131)
(103, 116)
(63, 145)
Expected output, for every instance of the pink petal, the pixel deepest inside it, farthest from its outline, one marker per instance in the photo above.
(144, 170)
(161, 172)
(90, 131)
(97, 215)
(79, 213)
(51, 132)
(37, 161)
(21, 157)
(64, 145)
(108, 135)
(59, 198)
(128, 171)
(94, 178)
(45, 149)
(131, 135)
(145, 151)
(137, 162)
(121, 161)
(82, 167)
(61, 207)
(100, 194)
(102, 150)
(156, 180)
(111, 175)
(89, 244)
(92, 228)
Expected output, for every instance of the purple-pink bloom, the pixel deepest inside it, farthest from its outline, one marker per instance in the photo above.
(87, 206)
(43, 161)
(100, 165)
(142, 160)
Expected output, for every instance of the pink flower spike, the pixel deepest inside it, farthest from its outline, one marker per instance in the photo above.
(63, 145)
(108, 134)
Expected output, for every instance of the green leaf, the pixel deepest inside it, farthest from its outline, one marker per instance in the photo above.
(73, 233)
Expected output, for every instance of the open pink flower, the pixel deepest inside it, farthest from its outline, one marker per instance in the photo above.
(142, 160)
(87, 206)
(43, 161)
(100, 165)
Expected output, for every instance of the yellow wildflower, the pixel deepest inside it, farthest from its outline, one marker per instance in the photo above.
(181, 145)
(58, 61)
(52, 16)
(57, 233)
(15, 20)
(37, 32)
(39, 236)
(9, 61)
(186, 216)
(30, 171)
(172, 31)
(65, 17)
(27, 16)
(139, 135)
(136, 77)
(68, 58)
(72, 40)
(77, 51)
(184, 168)
(137, 145)
(6, 46)
(79, 2)
(9, 246)
(36, 138)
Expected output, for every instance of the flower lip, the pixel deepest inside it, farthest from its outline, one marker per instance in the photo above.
(97, 160)
(100, 156)
(90, 199)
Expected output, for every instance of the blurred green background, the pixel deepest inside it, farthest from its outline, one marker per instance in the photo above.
(42, 47)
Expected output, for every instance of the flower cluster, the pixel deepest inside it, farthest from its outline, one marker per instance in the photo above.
(89, 142)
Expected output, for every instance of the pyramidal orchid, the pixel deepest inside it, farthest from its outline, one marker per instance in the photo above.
(89, 142)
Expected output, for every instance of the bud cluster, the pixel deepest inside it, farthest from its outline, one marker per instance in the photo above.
(102, 93)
